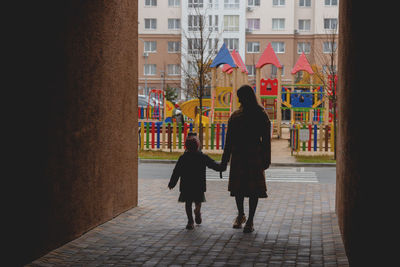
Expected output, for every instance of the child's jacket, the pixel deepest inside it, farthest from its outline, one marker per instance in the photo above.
(191, 168)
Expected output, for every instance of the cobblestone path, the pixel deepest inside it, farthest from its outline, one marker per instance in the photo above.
(295, 226)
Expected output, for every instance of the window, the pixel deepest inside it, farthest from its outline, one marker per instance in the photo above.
(210, 3)
(231, 23)
(150, 24)
(232, 43)
(174, 47)
(195, 3)
(274, 71)
(192, 68)
(304, 24)
(331, 2)
(329, 69)
(231, 4)
(329, 47)
(279, 47)
(212, 49)
(173, 69)
(174, 3)
(194, 22)
(194, 45)
(305, 3)
(253, 3)
(174, 24)
(150, 46)
(278, 2)
(253, 47)
(253, 24)
(210, 23)
(278, 24)
(251, 69)
(149, 69)
(150, 2)
(330, 24)
(303, 47)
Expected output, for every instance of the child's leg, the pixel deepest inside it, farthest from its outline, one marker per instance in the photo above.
(188, 208)
(197, 212)
(197, 207)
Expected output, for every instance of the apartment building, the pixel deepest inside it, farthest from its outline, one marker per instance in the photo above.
(167, 29)
(159, 44)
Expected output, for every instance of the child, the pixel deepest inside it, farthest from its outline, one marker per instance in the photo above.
(191, 168)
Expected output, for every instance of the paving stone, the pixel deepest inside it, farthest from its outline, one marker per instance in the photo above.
(295, 226)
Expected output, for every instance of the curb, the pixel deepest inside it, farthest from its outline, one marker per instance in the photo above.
(274, 164)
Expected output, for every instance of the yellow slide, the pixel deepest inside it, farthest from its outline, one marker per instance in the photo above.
(169, 107)
(188, 109)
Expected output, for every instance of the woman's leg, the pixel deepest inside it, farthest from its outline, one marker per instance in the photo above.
(239, 204)
(240, 218)
(253, 201)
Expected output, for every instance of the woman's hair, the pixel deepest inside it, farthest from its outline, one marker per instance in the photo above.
(192, 143)
(248, 98)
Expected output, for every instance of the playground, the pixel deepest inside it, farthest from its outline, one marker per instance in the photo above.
(308, 132)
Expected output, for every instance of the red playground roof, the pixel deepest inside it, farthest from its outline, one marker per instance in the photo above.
(268, 57)
(227, 68)
(302, 64)
(238, 61)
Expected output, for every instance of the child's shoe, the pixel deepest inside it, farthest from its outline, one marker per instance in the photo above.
(190, 226)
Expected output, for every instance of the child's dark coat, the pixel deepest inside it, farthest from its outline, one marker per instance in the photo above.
(191, 168)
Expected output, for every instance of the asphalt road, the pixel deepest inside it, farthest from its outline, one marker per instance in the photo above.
(323, 175)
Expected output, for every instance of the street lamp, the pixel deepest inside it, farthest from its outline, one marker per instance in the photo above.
(145, 55)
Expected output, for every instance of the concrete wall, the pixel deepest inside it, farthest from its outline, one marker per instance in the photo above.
(76, 139)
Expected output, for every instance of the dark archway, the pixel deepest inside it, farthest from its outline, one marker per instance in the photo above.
(363, 159)
(73, 124)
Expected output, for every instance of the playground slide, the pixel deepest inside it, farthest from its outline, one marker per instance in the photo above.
(169, 107)
(188, 109)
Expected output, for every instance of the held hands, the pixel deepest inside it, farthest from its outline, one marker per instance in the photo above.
(266, 165)
(222, 167)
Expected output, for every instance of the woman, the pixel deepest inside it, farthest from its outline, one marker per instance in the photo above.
(248, 147)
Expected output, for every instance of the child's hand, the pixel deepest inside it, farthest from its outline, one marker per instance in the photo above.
(222, 167)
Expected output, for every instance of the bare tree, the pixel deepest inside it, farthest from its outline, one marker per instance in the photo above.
(199, 47)
(326, 57)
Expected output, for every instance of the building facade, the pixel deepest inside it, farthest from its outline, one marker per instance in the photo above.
(168, 30)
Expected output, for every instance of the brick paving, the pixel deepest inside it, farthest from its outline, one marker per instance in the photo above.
(295, 226)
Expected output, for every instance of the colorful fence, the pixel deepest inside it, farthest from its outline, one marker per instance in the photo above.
(308, 138)
(171, 136)
(150, 112)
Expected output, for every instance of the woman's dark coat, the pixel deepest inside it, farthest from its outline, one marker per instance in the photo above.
(191, 168)
(248, 147)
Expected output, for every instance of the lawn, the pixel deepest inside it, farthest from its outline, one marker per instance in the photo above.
(158, 154)
(149, 154)
(315, 159)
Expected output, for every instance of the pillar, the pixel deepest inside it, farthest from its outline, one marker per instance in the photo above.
(75, 131)
(279, 104)
(366, 191)
(258, 84)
